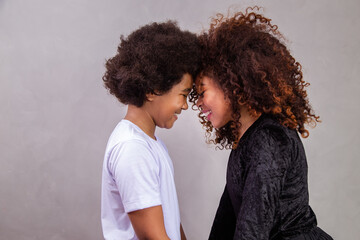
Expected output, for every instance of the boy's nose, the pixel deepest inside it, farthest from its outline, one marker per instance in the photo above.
(185, 106)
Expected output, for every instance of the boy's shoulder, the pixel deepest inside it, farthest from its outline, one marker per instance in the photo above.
(126, 131)
(128, 141)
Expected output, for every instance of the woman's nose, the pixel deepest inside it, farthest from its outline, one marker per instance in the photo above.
(199, 102)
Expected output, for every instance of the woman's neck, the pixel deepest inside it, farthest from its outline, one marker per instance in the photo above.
(246, 120)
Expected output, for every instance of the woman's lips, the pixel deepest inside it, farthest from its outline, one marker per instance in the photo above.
(208, 114)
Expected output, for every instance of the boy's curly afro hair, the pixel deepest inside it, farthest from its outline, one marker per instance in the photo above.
(152, 59)
(243, 54)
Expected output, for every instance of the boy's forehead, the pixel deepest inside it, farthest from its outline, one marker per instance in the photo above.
(185, 84)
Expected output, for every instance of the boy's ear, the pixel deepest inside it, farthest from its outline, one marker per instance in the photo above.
(150, 96)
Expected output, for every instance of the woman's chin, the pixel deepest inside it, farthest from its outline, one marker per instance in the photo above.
(217, 124)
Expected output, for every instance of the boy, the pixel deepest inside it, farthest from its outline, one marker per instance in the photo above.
(153, 74)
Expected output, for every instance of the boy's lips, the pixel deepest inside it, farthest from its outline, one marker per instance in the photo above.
(176, 115)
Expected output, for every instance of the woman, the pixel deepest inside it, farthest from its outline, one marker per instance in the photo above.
(252, 94)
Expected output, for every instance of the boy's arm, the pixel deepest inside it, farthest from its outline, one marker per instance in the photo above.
(149, 224)
(183, 237)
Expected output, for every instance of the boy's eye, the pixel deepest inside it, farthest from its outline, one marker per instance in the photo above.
(201, 94)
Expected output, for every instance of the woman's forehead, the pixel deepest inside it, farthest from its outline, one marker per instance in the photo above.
(203, 81)
(199, 82)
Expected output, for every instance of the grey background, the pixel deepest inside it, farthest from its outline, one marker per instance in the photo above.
(56, 117)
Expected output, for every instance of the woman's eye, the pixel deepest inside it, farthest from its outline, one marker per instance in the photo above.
(201, 94)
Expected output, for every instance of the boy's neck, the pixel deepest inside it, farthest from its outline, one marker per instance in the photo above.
(142, 119)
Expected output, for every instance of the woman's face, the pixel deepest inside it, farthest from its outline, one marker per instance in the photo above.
(212, 102)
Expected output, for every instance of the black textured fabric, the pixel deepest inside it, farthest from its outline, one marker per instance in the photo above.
(266, 192)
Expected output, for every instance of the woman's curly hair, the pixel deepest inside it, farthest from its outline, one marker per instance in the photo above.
(243, 54)
(152, 59)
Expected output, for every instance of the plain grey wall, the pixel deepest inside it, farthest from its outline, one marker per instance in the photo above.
(56, 116)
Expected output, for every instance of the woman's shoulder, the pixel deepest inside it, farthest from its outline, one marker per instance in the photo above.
(268, 146)
(268, 128)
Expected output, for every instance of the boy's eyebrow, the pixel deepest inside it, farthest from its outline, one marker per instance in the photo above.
(187, 90)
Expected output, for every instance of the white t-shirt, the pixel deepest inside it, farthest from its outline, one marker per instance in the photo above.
(137, 174)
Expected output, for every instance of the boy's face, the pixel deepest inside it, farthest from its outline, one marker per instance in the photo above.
(165, 108)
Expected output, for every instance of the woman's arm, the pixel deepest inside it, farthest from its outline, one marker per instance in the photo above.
(224, 223)
(267, 157)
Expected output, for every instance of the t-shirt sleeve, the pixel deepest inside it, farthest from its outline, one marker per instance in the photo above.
(267, 156)
(136, 173)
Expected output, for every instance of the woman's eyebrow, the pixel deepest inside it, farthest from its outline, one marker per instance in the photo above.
(200, 85)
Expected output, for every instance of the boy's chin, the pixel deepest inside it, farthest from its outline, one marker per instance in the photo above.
(167, 125)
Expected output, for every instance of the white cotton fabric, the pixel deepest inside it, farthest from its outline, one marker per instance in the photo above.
(137, 173)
